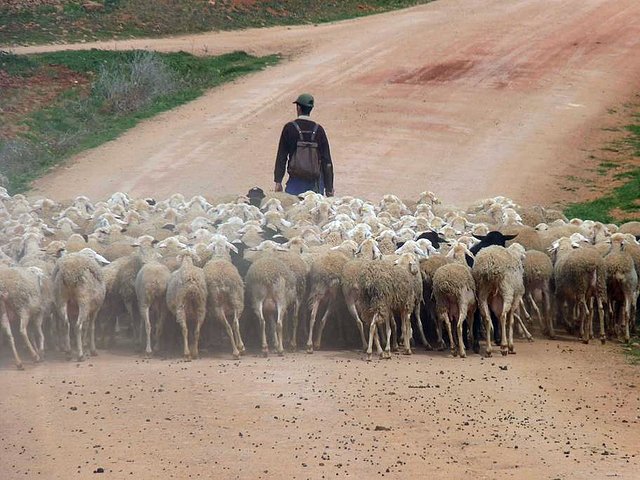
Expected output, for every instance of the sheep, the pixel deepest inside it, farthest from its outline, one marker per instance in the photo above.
(538, 277)
(498, 274)
(428, 267)
(409, 263)
(630, 227)
(386, 290)
(78, 284)
(622, 282)
(454, 291)
(21, 300)
(579, 277)
(324, 284)
(150, 286)
(226, 298)
(271, 286)
(187, 299)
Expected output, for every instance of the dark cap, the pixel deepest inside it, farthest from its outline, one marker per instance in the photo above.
(305, 100)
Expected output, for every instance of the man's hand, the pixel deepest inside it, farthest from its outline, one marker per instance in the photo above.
(278, 187)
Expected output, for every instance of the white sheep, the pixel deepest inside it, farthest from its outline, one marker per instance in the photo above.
(225, 298)
(622, 283)
(454, 291)
(271, 286)
(21, 301)
(498, 274)
(78, 284)
(187, 301)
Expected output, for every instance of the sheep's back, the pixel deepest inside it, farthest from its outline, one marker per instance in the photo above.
(450, 280)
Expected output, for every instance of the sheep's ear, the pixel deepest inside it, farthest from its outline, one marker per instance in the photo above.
(232, 247)
(479, 237)
(509, 237)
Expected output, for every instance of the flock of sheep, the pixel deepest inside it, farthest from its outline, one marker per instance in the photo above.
(67, 270)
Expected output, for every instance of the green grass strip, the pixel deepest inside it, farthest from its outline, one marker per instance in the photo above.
(77, 121)
(625, 198)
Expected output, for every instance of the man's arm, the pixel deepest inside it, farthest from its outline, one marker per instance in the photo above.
(325, 161)
(281, 159)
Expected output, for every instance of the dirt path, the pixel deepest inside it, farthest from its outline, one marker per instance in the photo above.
(560, 410)
(466, 98)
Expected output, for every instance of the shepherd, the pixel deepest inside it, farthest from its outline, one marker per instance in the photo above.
(304, 153)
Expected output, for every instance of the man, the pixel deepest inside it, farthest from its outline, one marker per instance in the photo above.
(304, 153)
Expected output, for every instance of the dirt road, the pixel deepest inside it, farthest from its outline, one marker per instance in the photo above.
(465, 98)
(556, 410)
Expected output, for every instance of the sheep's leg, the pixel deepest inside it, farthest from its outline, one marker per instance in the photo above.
(181, 319)
(159, 329)
(257, 307)
(372, 333)
(471, 310)
(523, 327)
(440, 341)
(462, 312)
(626, 307)
(506, 307)
(351, 306)
(591, 314)
(323, 322)
(80, 321)
(510, 320)
(312, 322)
(394, 333)
(376, 341)
(40, 336)
(486, 317)
(223, 318)
(443, 314)
(408, 332)
(66, 330)
(548, 313)
(144, 317)
(536, 310)
(236, 328)
(6, 328)
(584, 318)
(92, 335)
(389, 332)
(293, 343)
(200, 316)
(603, 334)
(279, 321)
(423, 338)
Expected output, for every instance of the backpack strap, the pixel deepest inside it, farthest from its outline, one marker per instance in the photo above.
(314, 132)
(299, 130)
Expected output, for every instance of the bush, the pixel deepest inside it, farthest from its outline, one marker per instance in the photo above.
(18, 157)
(130, 86)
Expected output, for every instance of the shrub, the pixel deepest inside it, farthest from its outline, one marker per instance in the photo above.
(130, 86)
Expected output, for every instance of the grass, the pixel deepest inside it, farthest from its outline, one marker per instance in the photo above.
(83, 117)
(133, 18)
(632, 350)
(622, 203)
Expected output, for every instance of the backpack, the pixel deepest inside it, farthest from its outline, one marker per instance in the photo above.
(305, 161)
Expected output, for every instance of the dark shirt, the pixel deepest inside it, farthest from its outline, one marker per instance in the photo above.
(288, 141)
